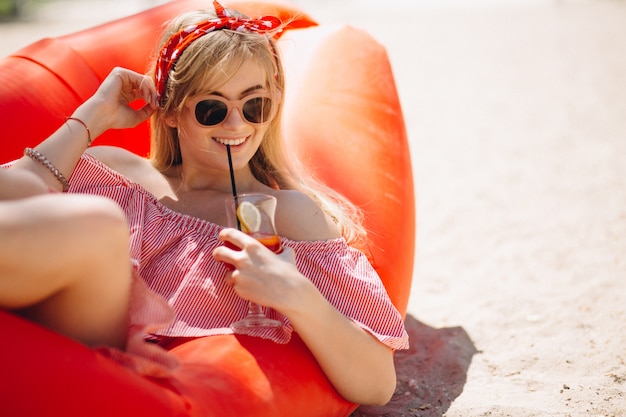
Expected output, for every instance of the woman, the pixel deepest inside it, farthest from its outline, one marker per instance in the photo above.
(217, 87)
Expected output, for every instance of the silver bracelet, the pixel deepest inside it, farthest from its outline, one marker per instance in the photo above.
(38, 156)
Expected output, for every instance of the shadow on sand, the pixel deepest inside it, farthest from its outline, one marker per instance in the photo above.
(431, 373)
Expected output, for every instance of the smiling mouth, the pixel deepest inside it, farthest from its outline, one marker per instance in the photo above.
(231, 142)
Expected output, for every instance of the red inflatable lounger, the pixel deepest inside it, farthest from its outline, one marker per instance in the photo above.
(343, 118)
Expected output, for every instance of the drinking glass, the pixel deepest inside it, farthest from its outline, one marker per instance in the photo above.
(265, 232)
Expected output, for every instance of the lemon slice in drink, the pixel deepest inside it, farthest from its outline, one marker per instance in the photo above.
(249, 216)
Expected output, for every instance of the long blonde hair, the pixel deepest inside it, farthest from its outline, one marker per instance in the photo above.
(197, 70)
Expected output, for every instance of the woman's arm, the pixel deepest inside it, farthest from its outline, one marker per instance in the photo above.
(359, 366)
(108, 108)
(19, 183)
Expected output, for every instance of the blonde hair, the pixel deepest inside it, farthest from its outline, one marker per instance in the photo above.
(205, 61)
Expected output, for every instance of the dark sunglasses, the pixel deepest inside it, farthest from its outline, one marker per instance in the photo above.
(255, 108)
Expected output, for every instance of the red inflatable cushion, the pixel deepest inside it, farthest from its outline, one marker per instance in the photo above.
(344, 126)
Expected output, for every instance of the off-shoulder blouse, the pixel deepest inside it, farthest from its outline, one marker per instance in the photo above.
(172, 253)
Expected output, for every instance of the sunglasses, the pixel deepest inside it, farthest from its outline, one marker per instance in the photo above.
(256, 109)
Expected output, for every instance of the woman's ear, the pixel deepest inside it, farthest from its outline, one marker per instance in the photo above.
(170, 121)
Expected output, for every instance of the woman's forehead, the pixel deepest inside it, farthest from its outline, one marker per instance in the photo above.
(235, 79)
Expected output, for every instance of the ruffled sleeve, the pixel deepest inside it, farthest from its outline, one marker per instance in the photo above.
(349, 282)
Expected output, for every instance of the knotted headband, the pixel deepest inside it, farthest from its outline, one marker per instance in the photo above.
(177, 43)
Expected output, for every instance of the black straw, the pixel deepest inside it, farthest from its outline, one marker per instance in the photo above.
(232, 184)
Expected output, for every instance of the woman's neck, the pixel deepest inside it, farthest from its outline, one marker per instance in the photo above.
(187, 179)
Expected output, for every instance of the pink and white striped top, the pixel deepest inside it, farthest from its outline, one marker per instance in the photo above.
(172, 253)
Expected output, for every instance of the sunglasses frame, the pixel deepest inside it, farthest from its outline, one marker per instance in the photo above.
(235, 104)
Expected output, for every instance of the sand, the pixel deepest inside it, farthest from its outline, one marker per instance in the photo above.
(517, 122)
(516, 114)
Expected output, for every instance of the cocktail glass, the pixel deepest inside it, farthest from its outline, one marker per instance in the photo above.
(263, 230)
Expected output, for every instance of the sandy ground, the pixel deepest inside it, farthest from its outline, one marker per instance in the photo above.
(516, 113)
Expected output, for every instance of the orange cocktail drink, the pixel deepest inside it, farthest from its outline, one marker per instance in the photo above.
(253, 214)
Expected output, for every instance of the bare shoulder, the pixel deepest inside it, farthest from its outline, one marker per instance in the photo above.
(134, 167)
(115, 157)
(127, 163)
(298, 217)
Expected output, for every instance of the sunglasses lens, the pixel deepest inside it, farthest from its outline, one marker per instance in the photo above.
(258, 109)
(211, 112)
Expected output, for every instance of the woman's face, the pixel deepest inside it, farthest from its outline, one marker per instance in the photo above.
(206, 145)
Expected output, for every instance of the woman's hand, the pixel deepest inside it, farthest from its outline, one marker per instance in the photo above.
(259, 275)
(110, 106)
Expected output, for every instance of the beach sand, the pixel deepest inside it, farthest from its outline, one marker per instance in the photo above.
(516, 115)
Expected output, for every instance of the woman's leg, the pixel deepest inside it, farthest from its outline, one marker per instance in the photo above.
(65, 263)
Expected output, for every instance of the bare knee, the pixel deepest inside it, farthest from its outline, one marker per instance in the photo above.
(95, 214)
(59, 234)
(99, 227)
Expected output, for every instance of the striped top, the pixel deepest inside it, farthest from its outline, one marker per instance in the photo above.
(172, 252)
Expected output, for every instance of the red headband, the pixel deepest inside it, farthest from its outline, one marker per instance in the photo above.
(176, 45)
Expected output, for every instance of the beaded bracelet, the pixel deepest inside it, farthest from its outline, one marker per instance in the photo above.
(76, 119)
(37, 156)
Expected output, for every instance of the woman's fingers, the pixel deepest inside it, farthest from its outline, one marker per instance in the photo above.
(148, 90)
(142, 88)
(136, 87)
(236, 237)
(251, 266)
(118, 91)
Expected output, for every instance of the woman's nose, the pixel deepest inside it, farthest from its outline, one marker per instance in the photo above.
(234, 118)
